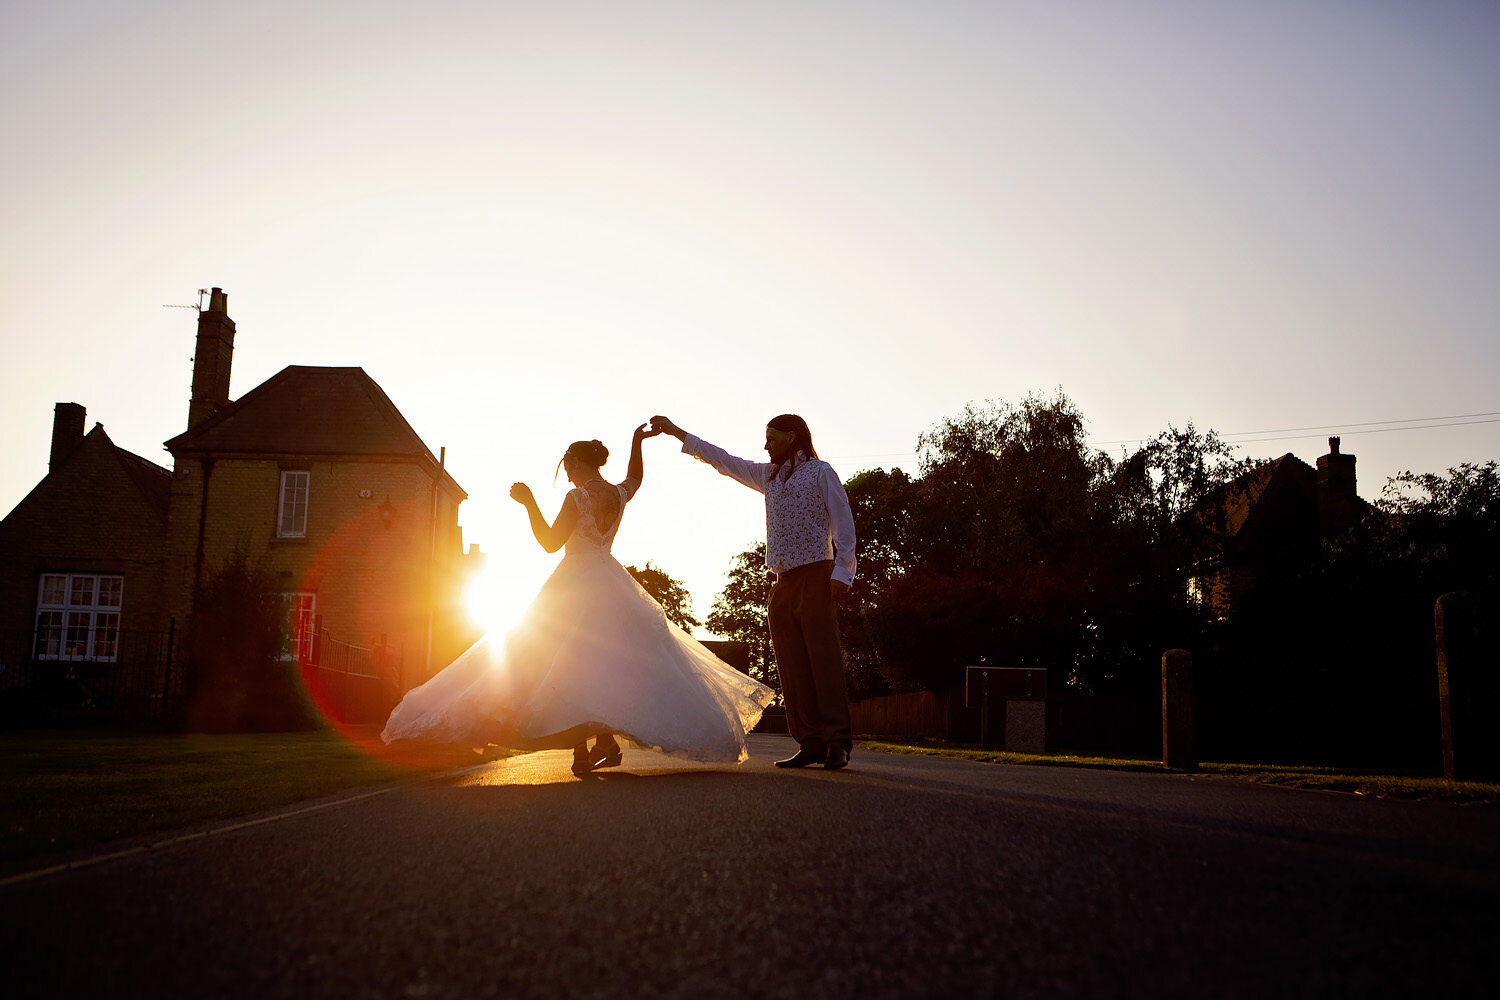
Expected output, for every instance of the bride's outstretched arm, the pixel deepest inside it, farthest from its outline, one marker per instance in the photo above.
(637, 467)
(550, 536)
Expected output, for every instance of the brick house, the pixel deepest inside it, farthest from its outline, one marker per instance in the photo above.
(313, 476)
(81, 565)
(1269, 522)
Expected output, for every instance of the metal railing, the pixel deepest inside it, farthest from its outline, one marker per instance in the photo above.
(111, 672)
(350, 683)
(52, 675)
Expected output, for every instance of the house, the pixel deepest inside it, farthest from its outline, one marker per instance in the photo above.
(313, 477)
(1269, 522)
(82, 605)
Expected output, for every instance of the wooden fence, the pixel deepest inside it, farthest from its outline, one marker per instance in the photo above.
(1075, 722)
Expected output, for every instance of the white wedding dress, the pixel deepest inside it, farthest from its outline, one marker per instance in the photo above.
(594, 654)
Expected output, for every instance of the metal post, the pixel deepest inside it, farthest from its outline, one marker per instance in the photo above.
(984, 708)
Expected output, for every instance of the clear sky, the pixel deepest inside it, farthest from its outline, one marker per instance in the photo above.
(535, 222)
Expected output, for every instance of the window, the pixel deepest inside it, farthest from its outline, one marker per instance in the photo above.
(78, 616)
(302, 626)
(292, 520)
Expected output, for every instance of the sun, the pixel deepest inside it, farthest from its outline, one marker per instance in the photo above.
(498, 596)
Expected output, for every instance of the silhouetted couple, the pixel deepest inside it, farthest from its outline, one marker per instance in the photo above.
(596, 656)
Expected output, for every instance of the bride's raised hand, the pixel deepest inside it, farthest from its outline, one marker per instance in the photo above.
(521, 493)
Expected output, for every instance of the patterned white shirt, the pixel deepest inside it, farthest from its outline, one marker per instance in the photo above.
(808, 518)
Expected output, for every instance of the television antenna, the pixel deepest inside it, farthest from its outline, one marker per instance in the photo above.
(201, 292)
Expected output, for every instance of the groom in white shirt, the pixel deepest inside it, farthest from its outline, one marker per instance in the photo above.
(810, 549)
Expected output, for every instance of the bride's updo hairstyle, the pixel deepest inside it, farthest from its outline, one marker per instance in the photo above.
(790, 423)
(591, 453)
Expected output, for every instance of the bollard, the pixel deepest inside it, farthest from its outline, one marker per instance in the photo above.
(1467, 689)
(1179, 749)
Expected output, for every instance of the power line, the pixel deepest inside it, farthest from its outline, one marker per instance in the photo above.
(1375, 430)
(1372, 423)
(1374, 427)
(1289, 433)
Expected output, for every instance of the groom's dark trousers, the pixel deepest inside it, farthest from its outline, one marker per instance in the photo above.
(809, 660)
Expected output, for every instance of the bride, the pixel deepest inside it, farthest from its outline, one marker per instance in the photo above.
(594, 655)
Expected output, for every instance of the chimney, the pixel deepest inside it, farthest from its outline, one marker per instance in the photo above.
(67, 432)
(211, 359)
(1338, 503)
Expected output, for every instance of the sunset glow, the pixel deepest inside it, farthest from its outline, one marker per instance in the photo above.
(497, 597)
(533, 223)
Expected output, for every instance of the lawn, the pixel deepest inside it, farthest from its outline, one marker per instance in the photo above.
(61, 791)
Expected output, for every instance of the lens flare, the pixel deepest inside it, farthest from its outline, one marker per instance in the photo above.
(497, 601)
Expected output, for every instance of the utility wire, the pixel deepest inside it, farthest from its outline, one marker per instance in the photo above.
(1374, 427)
(1375, 430)
(1372, 423)
(1290, 433)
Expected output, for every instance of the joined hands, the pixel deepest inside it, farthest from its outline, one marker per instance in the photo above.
(661, 425)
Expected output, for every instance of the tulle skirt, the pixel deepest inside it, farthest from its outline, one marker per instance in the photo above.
(594, 654)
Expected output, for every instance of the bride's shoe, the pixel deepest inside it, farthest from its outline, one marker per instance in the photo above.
(606, 754)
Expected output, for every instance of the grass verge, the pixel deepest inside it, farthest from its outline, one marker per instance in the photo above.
(1327, 779)
(62, 791)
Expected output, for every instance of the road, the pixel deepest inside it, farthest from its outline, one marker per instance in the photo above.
(899, 877)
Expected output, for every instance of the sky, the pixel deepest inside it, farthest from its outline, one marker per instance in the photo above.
(534, 223)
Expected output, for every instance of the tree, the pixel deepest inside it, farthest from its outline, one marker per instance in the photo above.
(1448, 525)
(241, 678)
(1020, 545)
(673, 597)
(1168, 497)
(1003, 552)
(739, 612)
(881, 502)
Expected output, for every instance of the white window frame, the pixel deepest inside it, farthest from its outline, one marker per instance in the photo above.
(301, 628)
(291, 507)
(78, 616)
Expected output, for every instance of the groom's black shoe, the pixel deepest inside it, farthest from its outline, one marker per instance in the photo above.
(802, 758)
(837, 757)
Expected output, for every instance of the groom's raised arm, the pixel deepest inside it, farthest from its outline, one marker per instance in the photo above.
(741, 470)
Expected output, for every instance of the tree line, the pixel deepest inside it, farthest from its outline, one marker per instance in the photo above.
(1017, 544)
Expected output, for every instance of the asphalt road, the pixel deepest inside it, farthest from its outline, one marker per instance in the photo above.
(899, 877)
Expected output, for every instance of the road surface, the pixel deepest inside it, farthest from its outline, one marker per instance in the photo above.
(901, 876)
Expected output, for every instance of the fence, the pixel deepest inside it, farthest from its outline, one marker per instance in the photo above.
(1078, 722)
(61, 673)
(353, 684)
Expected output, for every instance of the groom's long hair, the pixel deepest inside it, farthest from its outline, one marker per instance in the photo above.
(790, 423)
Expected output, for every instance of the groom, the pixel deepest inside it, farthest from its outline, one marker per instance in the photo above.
(810, 549)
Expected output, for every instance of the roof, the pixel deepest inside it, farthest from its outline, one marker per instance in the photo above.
(308, 410)
(1240, 497)
(153, 481)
